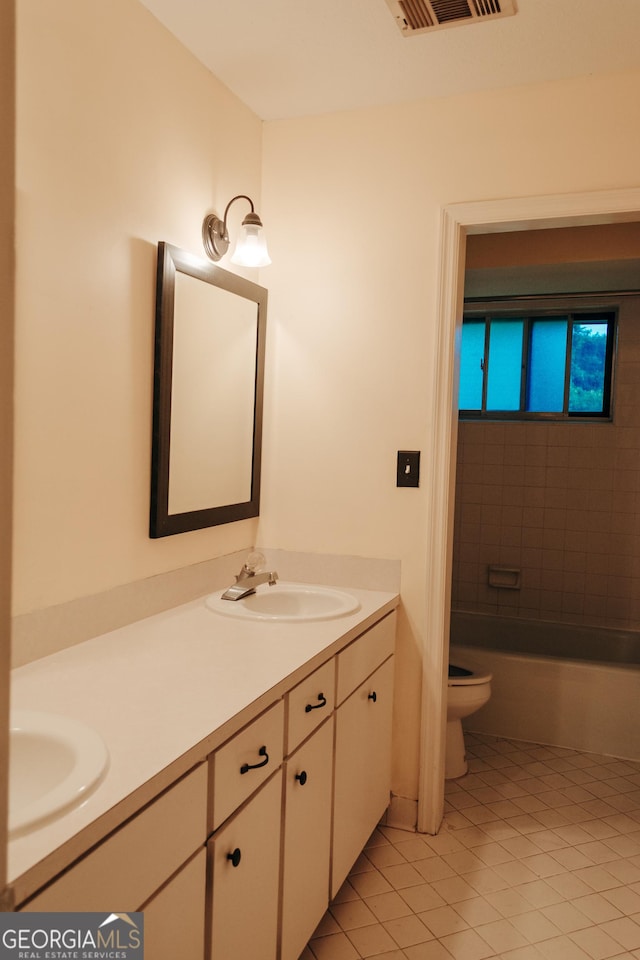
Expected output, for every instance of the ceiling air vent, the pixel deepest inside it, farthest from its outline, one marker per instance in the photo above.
(421, 16)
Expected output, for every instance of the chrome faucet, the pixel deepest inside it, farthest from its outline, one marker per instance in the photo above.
(247, 580)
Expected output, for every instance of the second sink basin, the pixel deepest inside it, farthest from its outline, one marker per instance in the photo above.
(287, 601)
(54, 762)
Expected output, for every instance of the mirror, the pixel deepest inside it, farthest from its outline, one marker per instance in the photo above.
(208, 386)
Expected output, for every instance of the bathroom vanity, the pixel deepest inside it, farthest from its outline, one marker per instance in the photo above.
(249, 763)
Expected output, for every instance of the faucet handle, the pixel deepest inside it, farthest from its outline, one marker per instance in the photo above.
(254, 562)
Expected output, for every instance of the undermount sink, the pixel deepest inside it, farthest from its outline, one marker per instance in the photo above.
(54, 762)
(287, 601)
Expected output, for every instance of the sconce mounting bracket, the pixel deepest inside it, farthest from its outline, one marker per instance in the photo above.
(215, 237)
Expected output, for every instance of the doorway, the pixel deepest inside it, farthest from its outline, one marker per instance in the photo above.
(458, 221)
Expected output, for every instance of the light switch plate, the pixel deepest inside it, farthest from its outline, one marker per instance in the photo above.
(408, 468)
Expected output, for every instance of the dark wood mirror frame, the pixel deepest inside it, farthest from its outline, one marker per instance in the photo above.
(172, 260)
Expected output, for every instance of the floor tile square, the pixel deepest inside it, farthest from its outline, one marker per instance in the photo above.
(407, 931)
(561, 948)
(370, 883)
(444, 920)
(402, 875)
(566, 917)
(485, 881)
(335, 947)
(353, 913)
(433, 950)
(389, 906)
(596, 943)
(539, 893)
(423, 897)
(624, 899)
(598, 878)
(501, 935)
(467, 945)
(371, 941)
(387, 855)
(453, 889)
(346, 892)
(509, 903)
(596, 908)
(535, 926)
(543, 865)
(434, 868)
(625, 931)
(377, 839)
(327, 925)
(476, 911)
(415, 849)
(464, 861)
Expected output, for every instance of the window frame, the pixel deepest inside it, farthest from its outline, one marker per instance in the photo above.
(575, 310)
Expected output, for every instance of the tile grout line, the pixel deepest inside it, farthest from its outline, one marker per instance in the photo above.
(538, 858)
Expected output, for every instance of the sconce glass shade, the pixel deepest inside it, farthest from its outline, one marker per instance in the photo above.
(251, 247)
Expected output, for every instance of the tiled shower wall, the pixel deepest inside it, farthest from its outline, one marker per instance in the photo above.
(561, 503)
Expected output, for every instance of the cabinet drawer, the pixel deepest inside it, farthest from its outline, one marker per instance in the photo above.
(361, 658)
(309, 704)
(245, 762)
(133, 862)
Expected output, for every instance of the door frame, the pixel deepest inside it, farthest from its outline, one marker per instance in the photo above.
(457, 221)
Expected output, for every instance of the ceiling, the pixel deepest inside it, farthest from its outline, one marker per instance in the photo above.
(292, 58)
(560, 278)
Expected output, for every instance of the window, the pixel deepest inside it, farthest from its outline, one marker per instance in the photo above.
(530, 366)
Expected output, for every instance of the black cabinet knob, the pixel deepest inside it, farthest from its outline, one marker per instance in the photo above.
(373, 696)
(302, 778)
(235, 857)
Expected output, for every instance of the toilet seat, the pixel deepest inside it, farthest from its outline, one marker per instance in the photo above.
(464, 676)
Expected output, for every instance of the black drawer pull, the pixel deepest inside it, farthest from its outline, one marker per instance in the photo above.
(235, 857)
(302, 777)
(373, 696)
(316, 706)
(262, 752)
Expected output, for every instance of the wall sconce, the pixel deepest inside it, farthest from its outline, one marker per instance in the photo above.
(251, 247)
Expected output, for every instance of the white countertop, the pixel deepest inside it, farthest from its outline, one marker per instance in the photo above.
(163, 692)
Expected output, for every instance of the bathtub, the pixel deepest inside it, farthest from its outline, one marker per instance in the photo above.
(553, 683)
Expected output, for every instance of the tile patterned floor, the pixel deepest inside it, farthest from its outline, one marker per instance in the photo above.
(538, 858)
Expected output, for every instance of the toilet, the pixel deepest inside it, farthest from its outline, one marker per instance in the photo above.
(469, 689)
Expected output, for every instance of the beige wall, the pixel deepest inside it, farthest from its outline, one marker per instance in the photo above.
(124, 139)
(613, 241)
(353, 202)
(7, 179)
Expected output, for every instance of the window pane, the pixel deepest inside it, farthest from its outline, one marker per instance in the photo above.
(588, 354)
(547, 365)
(471, 358)
(505, 365)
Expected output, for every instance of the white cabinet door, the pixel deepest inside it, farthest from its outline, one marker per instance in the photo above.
(245, 864)
(362, 768)
(307, 840)
(174, 918)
